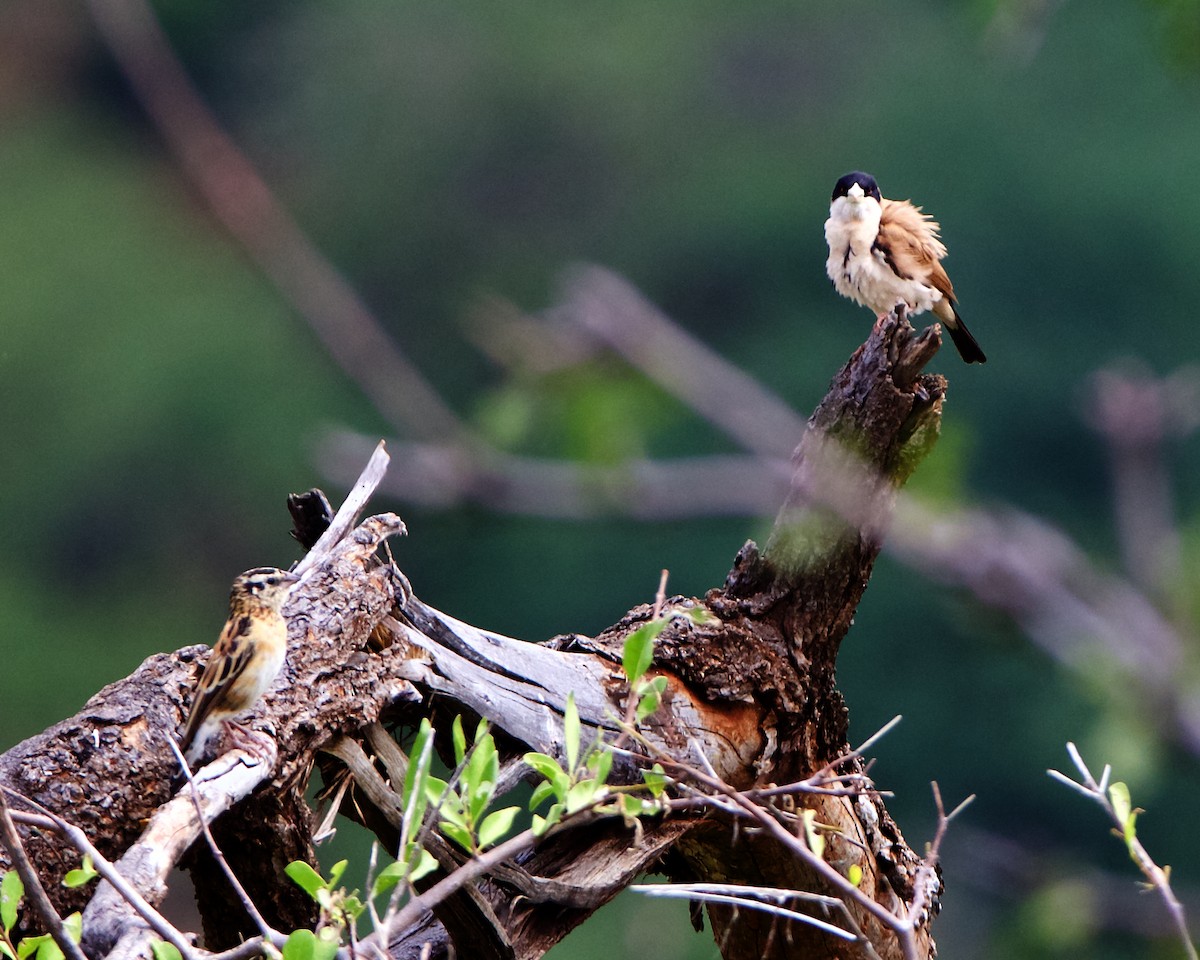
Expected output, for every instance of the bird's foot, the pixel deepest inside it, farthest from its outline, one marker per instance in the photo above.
(260, 746)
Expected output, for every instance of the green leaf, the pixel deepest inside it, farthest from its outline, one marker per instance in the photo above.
(656, 780)
(552, 817)
(416, 863)
(854, 874)
(325, 947)
(651, 699)
(480, 776)
(30, 945)
(600, 763)
(549, 768)
(459, 834)
(583, 794)
(164, 951)
(414, 796)
(435, 790)
(305, 877)
(353, 907)
(425, 865)
(1118, 795)
(50, 951)
(496, 825)
(647, 705)
(11, 892)
(460, 740)
(388, 877)
(541, 793)
(638, 652)
(73, 926)
(6, 950)
(452, 811)
(306, 945)
(81, 875)
(335, 873)
(571, 731)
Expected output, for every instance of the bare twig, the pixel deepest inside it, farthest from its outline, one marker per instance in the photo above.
(754, 898)
(474, 868)
(1157, 877)
(660, 596)
(356, 500)
(47, 820)
(34, 891)
(759, 898)
(247, 904)
(790, 841)
(925, 882)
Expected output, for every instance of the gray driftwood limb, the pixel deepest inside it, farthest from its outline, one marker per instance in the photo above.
(750, 685)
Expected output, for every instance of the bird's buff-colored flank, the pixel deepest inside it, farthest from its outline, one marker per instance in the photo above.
(884, 252)
(245, 659)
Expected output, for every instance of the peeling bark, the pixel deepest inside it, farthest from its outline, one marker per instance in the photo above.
(752, 684)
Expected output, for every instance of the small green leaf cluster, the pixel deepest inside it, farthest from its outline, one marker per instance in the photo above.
(579, 787)
(636, 658)
(339, 910)
(463, 805)
(1126, 814)
(43, 947)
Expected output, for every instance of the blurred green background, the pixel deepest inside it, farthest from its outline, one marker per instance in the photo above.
(160, 400)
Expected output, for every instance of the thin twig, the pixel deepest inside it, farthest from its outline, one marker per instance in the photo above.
(471, 870)
(925, 881)
(247, 904)
(691, 892)
(1158, 877)
(47, 820)
(792, 842)
(660, 597)
(34, 891)
(356, 500)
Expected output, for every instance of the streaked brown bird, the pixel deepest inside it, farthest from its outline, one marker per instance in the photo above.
(884, 252)
(245, 659)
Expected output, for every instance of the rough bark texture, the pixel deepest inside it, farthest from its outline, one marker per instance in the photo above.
(753, 685)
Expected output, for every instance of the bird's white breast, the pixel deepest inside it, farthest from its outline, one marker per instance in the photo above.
(861, 273)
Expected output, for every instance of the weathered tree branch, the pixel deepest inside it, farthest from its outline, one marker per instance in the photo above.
(750, 694)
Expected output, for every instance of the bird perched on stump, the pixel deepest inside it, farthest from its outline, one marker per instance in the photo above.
(244, 661)
(885, 252)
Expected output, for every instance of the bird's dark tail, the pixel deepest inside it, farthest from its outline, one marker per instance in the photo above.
(968, 349)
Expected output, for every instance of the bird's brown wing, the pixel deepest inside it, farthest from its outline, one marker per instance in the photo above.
(229, 658)
(908, 240)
